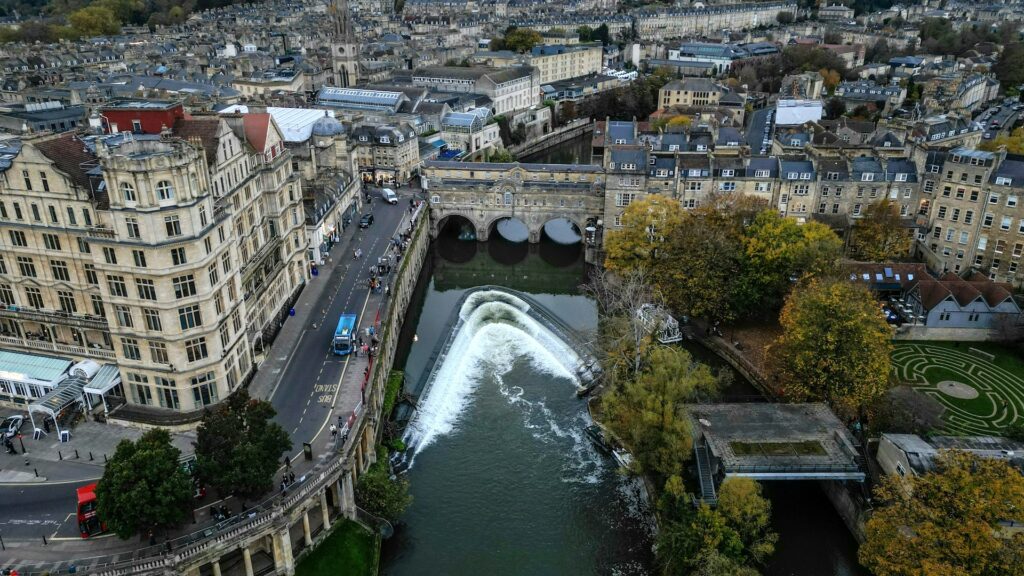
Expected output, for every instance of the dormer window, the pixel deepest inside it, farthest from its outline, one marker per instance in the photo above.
(867, 177)
(651, 161)
(792, 175)
(760, 173)
(673, 147)
(728, 173)
(620, 140)
(805, 176)
(385, 140)
(832, 176)
(362, 138)
(901, 177)
(629, 166)
(694, 173)
(887, 144)
(794, 142)
(702, 147)
(1003, 180)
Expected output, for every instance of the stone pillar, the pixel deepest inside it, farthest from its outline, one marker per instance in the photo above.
(216, 567)
(359, 454)
(348, 497)
(336, 493)
(247, 559)
(306, 536)
(482, 232)
(325, 510)
(284, 562)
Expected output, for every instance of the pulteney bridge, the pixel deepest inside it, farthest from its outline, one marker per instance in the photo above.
(535, 194)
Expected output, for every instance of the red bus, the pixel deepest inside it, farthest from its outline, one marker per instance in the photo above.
(89, 523)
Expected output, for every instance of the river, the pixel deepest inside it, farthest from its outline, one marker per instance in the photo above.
(503, 480)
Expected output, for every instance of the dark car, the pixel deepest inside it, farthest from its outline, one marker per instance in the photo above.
(366, 220)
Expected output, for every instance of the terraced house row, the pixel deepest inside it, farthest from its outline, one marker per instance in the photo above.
(168, 250)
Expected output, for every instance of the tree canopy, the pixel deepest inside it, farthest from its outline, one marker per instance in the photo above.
(1009, 68)
(946, 522)
(835, 347)
(381, 494)
(729, 258)
(727, 540)
(239, 446)
(144, 486)
(517, 40)
(1014, 141)
(648, 411)
(879, 234)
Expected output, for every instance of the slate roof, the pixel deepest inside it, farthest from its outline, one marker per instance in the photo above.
(205, 128)
(68, 154)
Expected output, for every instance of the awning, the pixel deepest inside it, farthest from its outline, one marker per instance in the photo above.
(67, 392)
(107, 377)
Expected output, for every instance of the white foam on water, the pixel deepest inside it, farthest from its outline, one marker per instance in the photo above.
(494, 330)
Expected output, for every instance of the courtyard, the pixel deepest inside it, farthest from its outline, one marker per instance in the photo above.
(981, 385)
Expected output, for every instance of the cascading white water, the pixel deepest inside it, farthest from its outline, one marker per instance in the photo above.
(494, 329)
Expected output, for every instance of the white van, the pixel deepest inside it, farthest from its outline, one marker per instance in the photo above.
(389, 195)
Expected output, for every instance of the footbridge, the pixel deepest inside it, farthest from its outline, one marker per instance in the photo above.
(485, 193)
(771, 441)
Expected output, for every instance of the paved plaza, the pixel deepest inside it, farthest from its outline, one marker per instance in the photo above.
(981, 386)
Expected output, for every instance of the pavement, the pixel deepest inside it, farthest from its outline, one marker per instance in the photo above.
(307, 384)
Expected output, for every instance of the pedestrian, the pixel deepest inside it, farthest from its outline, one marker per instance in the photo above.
(360, 341)
(152, 538)
(387, 289)
(291, 477)
(334, 431)
(284, 483)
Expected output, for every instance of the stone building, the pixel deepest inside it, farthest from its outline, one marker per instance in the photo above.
(387, 154)
(509, 89)
(170, 254)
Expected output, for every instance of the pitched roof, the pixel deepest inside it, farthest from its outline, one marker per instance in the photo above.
(68, 154)
(206, 128)
(256, 128)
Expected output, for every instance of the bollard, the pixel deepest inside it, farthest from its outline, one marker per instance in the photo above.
(59, 455)
(76, 454)
(36, 470)
(90, 456)
(104, 458)
(44, 539)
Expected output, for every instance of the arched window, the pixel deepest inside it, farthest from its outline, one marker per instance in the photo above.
(165, 190)
(128, 192)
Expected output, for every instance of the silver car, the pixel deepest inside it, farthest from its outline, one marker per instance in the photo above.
(11, 426)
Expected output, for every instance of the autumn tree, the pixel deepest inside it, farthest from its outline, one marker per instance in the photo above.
(641, 241)
(835, 347)
(94, 21)
(1014, 142)
(624, 337)
(648, 412)
(777, 251)
(519, 40)
(239, 446)
(947, 522)
(726, 540)
(830, 78)
(144, 486)
(879, 235)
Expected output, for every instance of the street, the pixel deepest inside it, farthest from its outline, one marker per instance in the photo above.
(304, 394)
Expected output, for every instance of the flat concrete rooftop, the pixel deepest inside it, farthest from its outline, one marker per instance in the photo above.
(773, 440)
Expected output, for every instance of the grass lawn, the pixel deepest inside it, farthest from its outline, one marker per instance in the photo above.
(998, 381)
(350, 549)
(805, 448)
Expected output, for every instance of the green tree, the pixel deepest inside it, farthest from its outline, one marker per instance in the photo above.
(586, 33)
(144, 486)
(879, 235)
(776, 251)
(750, 514)
(1008, 68)
(648, 412)
(521, 40)
(835, 108)
(501, 155)
(835, 347)
(784, 17)
(381, 494)
(947, 522)
(94, 21)
(641, 241)
(1014, 142)
(239, 446)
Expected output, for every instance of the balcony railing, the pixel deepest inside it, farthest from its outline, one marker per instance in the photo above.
(68, 349)
(53, 317)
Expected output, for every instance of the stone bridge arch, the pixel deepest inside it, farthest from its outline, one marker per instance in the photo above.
(534, 194)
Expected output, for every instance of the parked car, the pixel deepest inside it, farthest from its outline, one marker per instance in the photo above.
(11, 426)
(366, 221)
(389, 195)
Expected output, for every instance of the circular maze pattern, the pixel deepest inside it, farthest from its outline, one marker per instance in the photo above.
(1000, 400)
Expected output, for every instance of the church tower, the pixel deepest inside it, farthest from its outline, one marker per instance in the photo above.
(344, 48)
